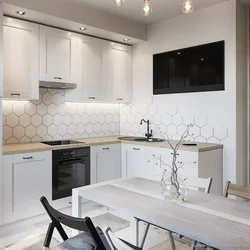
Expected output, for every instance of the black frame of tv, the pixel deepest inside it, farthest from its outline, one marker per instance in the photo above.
(189, 89)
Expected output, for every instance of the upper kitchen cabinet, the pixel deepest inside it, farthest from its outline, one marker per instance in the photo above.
(57, 55)
(90, 71)
(120, 68)
(20, 60)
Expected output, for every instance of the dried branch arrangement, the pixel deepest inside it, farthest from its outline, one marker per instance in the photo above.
(175, 165)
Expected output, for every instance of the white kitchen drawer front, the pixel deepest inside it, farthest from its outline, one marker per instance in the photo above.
(27, 157)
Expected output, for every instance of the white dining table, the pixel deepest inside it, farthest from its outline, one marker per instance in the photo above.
(219, 222)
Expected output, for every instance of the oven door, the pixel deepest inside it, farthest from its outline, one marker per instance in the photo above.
(69, 174)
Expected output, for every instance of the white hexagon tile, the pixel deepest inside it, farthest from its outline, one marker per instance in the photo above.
(171, 122)
(50, 118)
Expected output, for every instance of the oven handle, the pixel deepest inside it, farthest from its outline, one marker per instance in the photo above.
(71, 161)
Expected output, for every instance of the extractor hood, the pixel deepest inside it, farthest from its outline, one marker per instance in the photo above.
(57, 85)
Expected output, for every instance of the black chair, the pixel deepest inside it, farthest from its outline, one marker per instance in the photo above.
(91, 238)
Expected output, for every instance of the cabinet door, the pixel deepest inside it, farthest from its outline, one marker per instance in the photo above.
(164, 155)
(105, 163)
(136, 161)
(120, 86)
(89, 71)
(20, 60)
(57, 55)
(27, 177)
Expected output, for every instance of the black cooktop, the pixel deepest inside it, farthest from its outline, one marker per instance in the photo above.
(58, 143)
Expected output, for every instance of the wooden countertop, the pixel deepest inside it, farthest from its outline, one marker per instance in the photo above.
(37, 147)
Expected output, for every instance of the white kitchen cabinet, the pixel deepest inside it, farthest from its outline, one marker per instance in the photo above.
(120, 83)
(57, 55)
(20, 59)
(27, 177)
(91, 71)
(198, 164)
(105, 162)
(136, 161)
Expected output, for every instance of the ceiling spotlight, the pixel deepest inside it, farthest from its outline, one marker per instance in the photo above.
(118, 3)
(188, 7)
(126, 40)
(21, 13)
(147, 9)
(82, 28)
(179, 53)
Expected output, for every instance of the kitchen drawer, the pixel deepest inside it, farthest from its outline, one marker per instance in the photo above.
(33, 156)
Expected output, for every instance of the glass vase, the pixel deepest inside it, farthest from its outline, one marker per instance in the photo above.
(170, 192)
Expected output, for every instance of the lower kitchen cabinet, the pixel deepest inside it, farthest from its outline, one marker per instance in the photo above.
(27, 177)
(136, 161)
(105, 163)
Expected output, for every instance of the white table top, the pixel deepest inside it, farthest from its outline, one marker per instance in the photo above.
(217, 221)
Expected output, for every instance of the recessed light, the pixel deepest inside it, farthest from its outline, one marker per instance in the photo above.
(21, 13)
(82, 28)
(126, 40)
(179, 53)
(202, 59)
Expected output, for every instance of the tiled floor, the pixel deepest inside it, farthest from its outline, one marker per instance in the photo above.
(29, 234)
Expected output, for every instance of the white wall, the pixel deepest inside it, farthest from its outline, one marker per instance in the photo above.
(216, 109)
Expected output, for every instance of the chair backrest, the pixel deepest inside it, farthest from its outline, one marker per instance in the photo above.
(79, 224)
(202, 184)
(236, 190)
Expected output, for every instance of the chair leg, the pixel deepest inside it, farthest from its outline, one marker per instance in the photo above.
(145, 235)
(48, 236)
(171, 239)
(61, 231)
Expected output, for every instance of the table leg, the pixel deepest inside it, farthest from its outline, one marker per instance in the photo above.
(171, 239)
(137, 232)
(76, 207)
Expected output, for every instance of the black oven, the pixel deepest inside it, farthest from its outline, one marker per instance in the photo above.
(71, 169)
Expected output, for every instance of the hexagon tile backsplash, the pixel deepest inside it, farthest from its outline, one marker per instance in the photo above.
(51, 118)
(169, 121)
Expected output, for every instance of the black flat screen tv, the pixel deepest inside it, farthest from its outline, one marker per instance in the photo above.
(194, 69)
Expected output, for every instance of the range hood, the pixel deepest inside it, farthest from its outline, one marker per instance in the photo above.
(57, 85)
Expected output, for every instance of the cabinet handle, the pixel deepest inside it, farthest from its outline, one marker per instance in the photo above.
(15, 94)
(91, 98)
(28, 158)
(57, 78)
(105, 148)
(119, 99)
(137, 149)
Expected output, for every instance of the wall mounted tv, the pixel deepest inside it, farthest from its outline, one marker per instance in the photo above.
(194, 69)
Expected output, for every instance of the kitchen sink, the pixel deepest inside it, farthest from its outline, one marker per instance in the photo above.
(140, 139)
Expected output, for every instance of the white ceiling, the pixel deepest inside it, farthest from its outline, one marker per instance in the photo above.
(162, 9)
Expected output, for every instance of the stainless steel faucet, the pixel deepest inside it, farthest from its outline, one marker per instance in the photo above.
(149, 133)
